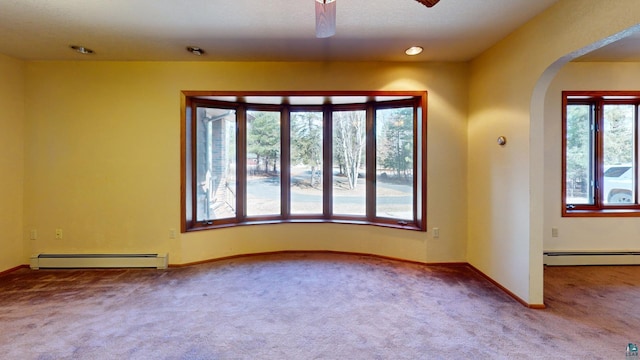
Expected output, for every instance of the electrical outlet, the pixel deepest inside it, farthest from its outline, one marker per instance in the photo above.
(33, 234)
(172, 233)
(58, 233)
(435, 232)
(554, 232)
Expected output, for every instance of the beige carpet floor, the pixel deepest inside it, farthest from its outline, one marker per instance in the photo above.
(313, 306)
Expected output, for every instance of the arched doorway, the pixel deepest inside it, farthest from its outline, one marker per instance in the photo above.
(543, 159)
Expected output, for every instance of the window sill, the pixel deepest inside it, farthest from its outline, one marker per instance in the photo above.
(602, 213)
(409, 226)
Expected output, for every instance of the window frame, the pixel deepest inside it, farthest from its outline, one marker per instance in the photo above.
(190, 100)
(597, 99)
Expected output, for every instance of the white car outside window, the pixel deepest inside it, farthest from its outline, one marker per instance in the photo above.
(618, 184)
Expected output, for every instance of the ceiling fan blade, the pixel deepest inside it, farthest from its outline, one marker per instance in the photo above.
(428, 3)
(325, 18)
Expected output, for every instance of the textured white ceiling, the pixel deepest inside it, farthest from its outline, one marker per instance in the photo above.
(255, 30)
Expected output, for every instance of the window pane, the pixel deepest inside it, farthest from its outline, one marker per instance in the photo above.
(394, 163)
(215, 163)
(263, 163)
(306, 162)
(349, 162)
(619, 154)
(579, 155)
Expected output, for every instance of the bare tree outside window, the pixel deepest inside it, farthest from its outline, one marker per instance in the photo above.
(349, 145)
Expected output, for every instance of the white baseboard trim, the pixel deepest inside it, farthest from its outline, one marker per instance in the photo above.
(560, 258)
(79, 261)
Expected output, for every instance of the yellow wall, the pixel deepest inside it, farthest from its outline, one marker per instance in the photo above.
(505, 195)
(11, 162)
(102, 159)
(580, 234)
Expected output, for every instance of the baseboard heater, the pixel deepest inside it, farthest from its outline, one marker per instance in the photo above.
(592, 258)
(80, 261)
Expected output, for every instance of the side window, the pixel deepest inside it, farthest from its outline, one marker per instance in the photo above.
(394, 161)
(600, 153)
(215, 164)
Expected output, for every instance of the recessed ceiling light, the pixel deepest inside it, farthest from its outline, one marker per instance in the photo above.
(81, 49)
(195, 50)
(414, 50)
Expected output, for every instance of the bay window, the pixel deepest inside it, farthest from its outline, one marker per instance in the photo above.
(266, 157)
